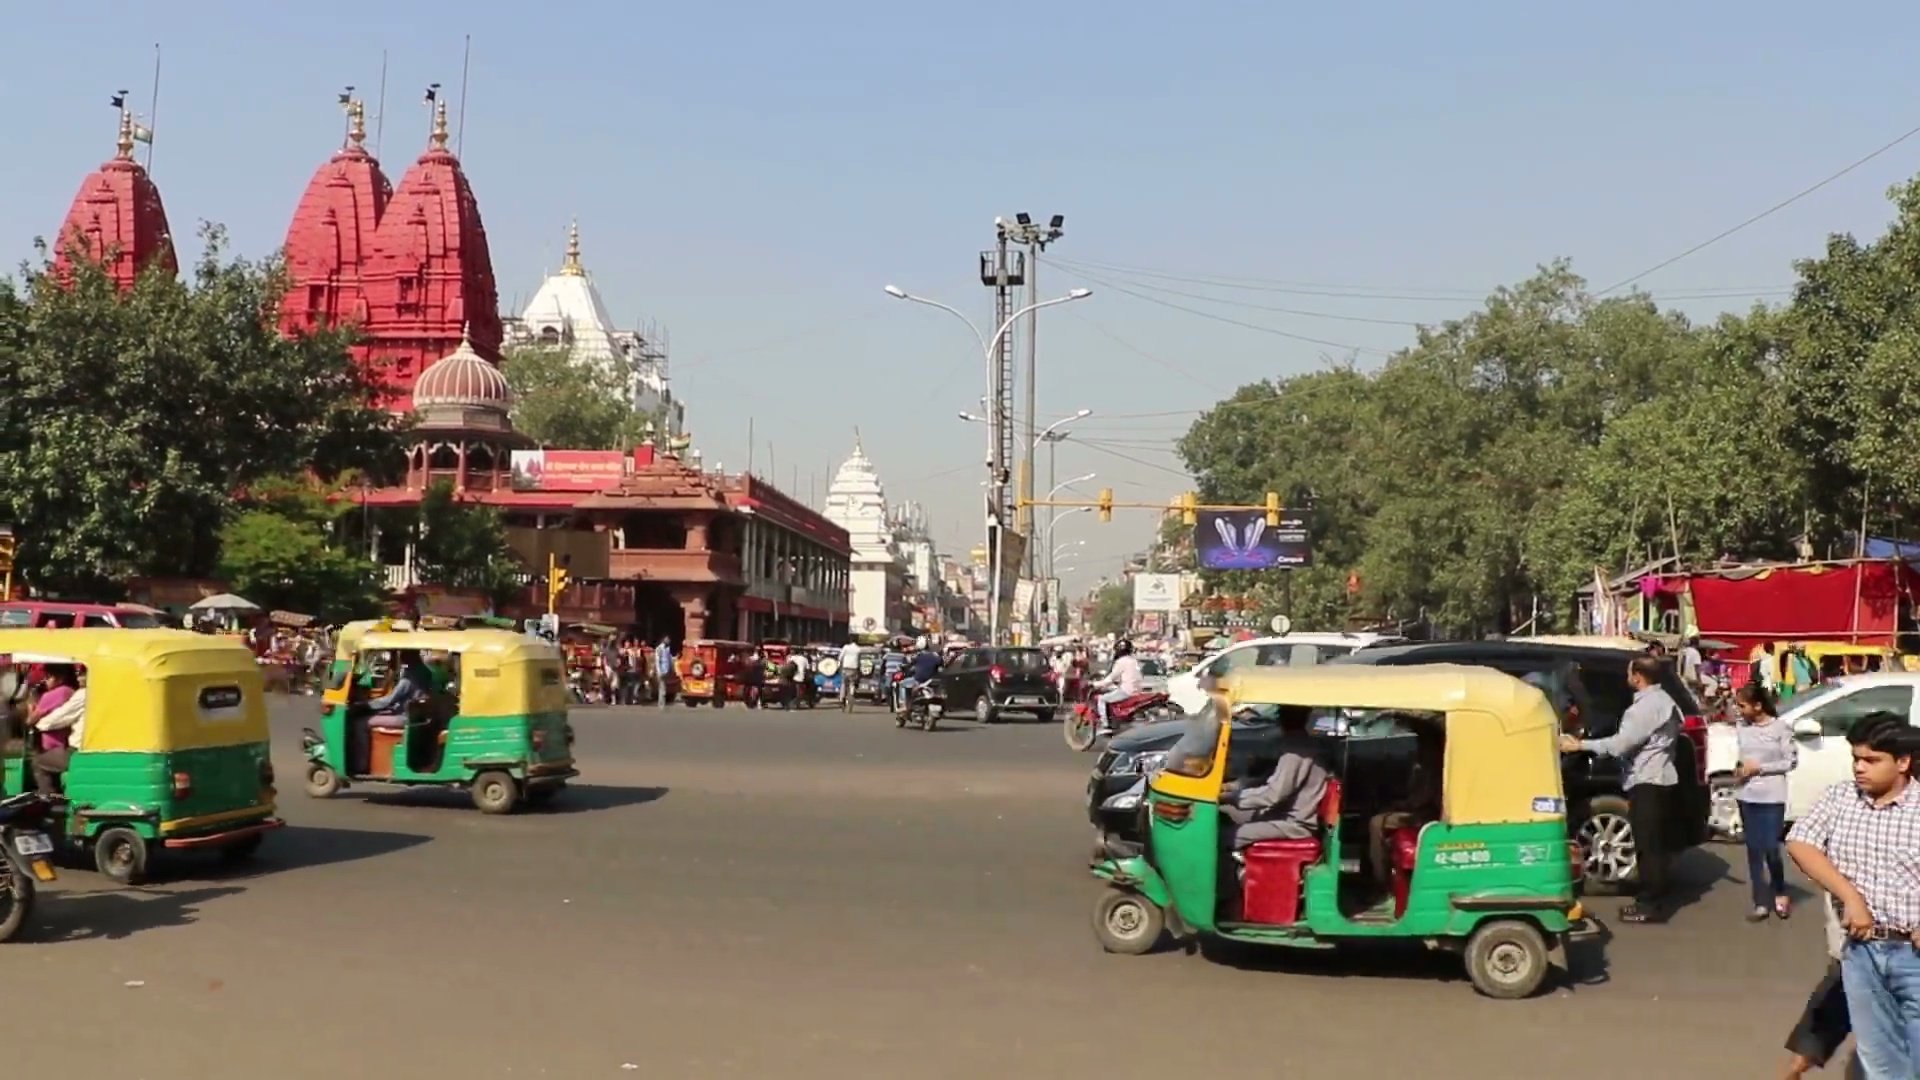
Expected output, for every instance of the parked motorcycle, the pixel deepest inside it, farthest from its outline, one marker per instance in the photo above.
(1082, 724)
(28, 858)
(925, 704)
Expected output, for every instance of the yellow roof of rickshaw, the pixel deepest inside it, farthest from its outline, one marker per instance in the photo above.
(154, 651)
(1502, 763)
(496, 644)
(1422, 687)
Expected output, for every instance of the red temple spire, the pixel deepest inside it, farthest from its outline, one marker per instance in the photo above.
(117, 218)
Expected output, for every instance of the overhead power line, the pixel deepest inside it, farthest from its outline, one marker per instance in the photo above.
(1413, 294)
(1275, 331)
(1761, 216)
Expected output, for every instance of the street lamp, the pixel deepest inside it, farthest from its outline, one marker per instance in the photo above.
(1068, 546)
(1049, 429)
(1065, 484)
(987, 345)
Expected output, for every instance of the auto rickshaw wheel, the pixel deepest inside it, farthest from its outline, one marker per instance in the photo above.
(495, 792)
(1507, 959)
(1128, 923)
(322, 781)
(121, 854)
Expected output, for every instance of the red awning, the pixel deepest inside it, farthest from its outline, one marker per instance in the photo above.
(1857, 602)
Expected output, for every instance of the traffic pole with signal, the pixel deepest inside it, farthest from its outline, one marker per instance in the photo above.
(556, 580)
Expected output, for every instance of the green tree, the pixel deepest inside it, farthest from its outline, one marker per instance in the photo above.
(284, 551)
(562, 402)
(1112, 608)
(128, 421)
(464, 546)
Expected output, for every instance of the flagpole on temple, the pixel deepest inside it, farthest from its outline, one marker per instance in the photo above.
(380, 114)
(153, 105)
(466, 61)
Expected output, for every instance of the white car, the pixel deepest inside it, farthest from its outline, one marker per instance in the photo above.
(1819, 721)
(1153, 673)
(1291, 650)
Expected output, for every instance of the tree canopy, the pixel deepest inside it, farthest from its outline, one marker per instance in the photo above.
(1504, 456)
(1112, 608)
(563, 402)
(129, 422)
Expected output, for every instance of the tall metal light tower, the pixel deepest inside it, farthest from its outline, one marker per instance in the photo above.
(1035, 238)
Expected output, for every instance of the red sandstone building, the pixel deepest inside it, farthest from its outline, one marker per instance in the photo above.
(652, 542)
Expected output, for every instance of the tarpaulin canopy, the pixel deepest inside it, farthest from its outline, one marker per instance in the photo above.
(1857, 602)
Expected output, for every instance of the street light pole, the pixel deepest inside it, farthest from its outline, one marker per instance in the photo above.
(997, 481)
(1036, 237)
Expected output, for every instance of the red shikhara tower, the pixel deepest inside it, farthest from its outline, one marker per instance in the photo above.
(411, 269)
(117, 219)
(331, 231)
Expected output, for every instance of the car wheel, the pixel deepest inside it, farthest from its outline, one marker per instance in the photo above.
(1507, 959)
(986, 711)
(1607, 842)
(1128, 923)
(1723, 809)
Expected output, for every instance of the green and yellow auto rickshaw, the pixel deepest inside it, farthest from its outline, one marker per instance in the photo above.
(1490, 875)
(170, 751)
(494, 719)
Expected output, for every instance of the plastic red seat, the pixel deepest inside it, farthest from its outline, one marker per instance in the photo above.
(1270, 893)
(1403, 852)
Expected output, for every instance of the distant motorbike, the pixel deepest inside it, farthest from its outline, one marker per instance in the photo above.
(28, 858)
(1082, 723)
(924, 705)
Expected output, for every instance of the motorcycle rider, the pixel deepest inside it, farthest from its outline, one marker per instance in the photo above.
(849, 671)
(1121, 682)
(891, 662)
(920, 671)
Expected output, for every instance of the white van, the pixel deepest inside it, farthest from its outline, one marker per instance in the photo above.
(1289, 650)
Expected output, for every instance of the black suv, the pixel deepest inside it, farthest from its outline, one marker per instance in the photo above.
(991, 683)
(1596, 800)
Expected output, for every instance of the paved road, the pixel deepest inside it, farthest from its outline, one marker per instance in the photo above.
(799, 895)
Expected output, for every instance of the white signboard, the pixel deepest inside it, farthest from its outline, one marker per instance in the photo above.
(1156, 592)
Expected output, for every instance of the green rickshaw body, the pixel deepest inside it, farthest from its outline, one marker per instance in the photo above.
(503, 711)
(173, 745)
(1495, 872)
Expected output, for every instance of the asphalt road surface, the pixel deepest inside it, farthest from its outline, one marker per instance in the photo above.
(731, 893)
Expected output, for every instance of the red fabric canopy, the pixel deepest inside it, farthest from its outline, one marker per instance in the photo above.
(1859, 602)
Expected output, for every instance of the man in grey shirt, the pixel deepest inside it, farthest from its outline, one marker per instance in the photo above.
(1645, 744)
(1287, 806)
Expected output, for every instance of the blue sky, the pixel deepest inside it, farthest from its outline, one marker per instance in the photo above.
(750, 175)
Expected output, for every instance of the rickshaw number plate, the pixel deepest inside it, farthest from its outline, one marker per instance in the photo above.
(32, 844)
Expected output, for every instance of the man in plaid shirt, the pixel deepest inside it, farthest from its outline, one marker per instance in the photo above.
(1861, 843)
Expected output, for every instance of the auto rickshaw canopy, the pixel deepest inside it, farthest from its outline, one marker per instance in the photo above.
(1502, 750)
(152, 690)
(502, 673)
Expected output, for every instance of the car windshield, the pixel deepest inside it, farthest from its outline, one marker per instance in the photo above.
(1023, 659)
(1800, 702)
(1152, 668)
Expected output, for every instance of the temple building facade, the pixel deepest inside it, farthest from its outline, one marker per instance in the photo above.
(654, 542)
(117, 218)
(567, 312)
(857, 502)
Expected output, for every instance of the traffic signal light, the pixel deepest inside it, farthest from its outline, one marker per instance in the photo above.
(1273, 509)
(1106, 504)
(556, 580)
(1189, 512)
